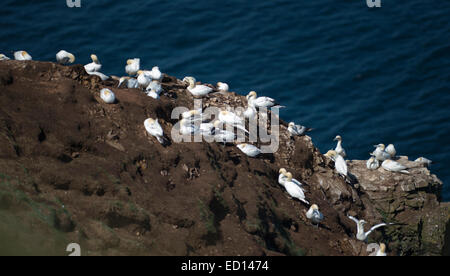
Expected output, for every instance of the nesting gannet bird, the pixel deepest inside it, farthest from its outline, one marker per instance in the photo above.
(3, 57)
(102, 76)
(394, 166)
(361, 235)
(107, 96)
(314, 214)
(154, 128)
(155, 74)
(22, 55)
(339, 162)
(133, 66)
(130, 82)
(222, 87)
(259, 102)
(228, 117)
(64, 57)
(339, 149)
(381, 251)
(155, 85)
(187, 128)
(390, 149)
(424, 161)
(94, 66)
(293, 189)
(249, 150)
(197, 90)
(372, 163)
(143, 79)
(221, 135)
(380, 153)
(282, 178)
(297, 130)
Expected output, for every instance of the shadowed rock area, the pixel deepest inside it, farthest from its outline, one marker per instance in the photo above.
(74, 169)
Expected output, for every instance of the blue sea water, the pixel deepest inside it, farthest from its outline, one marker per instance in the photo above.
(378, 75)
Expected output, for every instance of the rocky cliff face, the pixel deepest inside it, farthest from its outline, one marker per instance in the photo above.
(73, 169)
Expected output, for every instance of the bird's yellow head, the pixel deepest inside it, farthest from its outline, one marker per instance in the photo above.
(130, 61)
(282, 171)
(338, 138)
(382, 248)
(289, 176)
(94, 58)
(71, 58)
(251, 94)
(381, 146)
(194, 112)
(331, 154)
(291, 124)
(314, 207)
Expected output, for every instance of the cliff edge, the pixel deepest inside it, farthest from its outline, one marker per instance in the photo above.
(73, 169)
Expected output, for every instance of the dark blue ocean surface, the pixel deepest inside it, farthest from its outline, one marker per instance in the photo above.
(371, 75)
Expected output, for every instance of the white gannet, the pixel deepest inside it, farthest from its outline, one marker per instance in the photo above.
(314, 214)
(249, 150)
(3, 57)
(187, 128)
(382, 251)
(153, 94)
(228, 117)
(297, 130)
(107, 96)
(64, 57)
(394, 166)
(221, 135)
(361, 235)
(380, 153)
(22, 55)
(154, 128)
(390, 149)
(261, 101)
(94, 66)
(102, 76)
(197, 90)
(155, 85)
(155, 74)
(293, 189)
(143, 79)
(339, 162)
(372, 163)
(130, 82)
(339, 149)
(424, 161)
(222, 87)
(133, 66)
(282, 178)
(250, 112)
